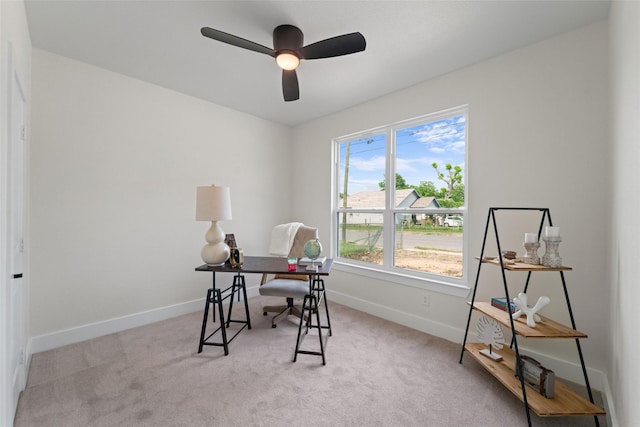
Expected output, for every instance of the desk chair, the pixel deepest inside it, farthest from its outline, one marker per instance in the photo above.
(291, 287)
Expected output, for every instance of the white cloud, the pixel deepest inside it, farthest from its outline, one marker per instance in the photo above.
(372, 164)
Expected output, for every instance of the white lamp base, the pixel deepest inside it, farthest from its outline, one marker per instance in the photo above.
(215, 252)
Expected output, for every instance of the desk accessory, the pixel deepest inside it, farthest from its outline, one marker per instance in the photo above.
(214, 204)
(237, 257)
(230, 240)
(318, 261)
(312, 249)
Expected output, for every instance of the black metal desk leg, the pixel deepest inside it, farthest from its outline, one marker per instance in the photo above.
(213, 287)
(234, 289)
(246, 302)
(319, 329)
(322, 291)
(204, 319)
(222, 328)
(310, 306)
(299, 337)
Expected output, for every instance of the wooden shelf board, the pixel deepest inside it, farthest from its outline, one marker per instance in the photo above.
(521, 266)
(546, 328)
(566, 401)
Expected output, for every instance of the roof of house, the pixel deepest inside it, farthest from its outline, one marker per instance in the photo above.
(375, 199)
(426, 202)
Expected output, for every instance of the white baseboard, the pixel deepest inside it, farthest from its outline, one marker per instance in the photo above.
(110, 326)
(609, 404)
(407, 319)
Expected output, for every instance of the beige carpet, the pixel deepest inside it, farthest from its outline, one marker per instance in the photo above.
(378, 374)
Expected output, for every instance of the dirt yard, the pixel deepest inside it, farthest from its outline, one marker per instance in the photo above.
(438, 262)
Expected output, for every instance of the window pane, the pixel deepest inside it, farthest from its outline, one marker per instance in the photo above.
(362, 167)
(429, 164)
(360, 237)
(407, 179)
(426, 244)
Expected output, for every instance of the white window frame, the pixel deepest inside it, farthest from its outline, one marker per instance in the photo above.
(418, 279)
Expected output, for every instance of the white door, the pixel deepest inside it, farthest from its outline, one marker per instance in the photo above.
(15, 310)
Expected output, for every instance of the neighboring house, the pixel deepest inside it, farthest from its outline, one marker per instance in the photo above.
(426, 203)
(407, 198)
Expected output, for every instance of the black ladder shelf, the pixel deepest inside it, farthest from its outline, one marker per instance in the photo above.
(566, 401)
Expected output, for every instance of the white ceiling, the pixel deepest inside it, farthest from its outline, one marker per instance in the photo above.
(407, 42)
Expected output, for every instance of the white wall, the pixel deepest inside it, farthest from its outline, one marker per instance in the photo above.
(537, 138)
(115, 167)
(622, 370)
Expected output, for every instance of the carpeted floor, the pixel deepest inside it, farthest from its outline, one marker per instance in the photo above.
(378, 374)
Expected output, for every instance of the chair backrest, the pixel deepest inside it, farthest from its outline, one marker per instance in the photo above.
(303, 235)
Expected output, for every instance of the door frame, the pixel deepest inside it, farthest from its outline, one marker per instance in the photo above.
(13, 317)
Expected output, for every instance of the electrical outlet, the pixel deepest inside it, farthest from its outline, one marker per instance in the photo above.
(426, 300)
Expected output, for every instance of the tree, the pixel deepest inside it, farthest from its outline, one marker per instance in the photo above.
(458, 194)
(401, 184)
(427, 189)
(453, 177)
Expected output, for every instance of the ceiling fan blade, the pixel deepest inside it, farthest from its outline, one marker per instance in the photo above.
(290, 88)
(223, 37)
(335, 46)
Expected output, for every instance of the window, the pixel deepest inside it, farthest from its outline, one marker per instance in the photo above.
(399, 201)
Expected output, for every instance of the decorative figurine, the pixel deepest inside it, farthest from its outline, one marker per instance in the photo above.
(523, 308)
(490, 332)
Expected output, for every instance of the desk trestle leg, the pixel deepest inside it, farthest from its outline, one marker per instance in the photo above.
(216, 297)
(310, 310)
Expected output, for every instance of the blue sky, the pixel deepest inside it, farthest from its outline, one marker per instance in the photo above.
(417, 147)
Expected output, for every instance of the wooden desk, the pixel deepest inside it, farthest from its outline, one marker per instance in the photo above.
(263, 265)
(268, 265)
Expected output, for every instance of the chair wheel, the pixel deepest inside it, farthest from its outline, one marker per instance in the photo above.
(273, 326)
(264, 313)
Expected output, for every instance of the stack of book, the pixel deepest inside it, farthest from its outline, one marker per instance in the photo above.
(317, 261)
(501, 303)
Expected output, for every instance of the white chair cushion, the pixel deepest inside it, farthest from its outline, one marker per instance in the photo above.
(285, 288)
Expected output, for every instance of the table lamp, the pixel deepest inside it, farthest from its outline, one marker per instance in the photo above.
(214, 204)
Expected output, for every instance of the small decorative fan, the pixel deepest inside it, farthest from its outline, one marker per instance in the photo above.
(490, 332)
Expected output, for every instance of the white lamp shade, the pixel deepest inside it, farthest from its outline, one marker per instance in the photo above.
(213, 203)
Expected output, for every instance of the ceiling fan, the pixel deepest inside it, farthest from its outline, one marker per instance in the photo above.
(288, 50)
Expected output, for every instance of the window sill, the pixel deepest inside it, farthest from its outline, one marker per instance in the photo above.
(441, 286)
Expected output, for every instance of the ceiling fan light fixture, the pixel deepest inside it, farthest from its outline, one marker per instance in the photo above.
(289, 49)
(287, 60)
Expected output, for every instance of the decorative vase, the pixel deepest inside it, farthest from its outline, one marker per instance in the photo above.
(551, 256)
(531, 253)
